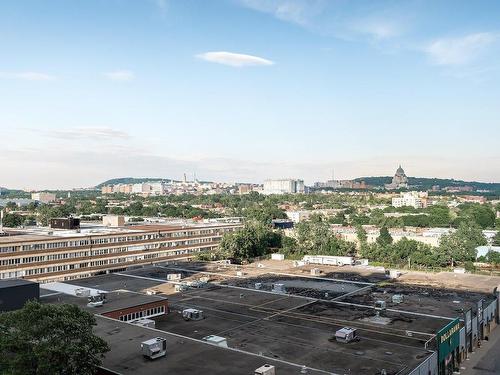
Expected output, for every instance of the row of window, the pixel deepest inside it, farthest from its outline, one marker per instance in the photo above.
(97, 241)
(143, 314)
(84, 254)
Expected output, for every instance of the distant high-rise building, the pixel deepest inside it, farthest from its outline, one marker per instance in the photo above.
(399, 181)
(283, 186)
(43, 197)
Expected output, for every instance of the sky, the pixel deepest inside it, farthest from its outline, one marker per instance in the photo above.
(244, 90)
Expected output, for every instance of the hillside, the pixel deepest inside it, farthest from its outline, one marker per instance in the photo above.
(129, 180)
(427, 183)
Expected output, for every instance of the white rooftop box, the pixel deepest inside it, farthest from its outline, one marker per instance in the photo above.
(277, 256)
(346, 334)
(216, 340)
(192, 314)
(265, 370)
(154, 348)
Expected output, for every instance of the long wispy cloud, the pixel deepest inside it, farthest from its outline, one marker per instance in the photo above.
(461, 50)
(81, 133)
(234, 59)
(300, 12)
(120, 75)
(27, 76)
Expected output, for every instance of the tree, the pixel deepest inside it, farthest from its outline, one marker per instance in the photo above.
(361, 234)
(496, 239)
(384, 237)
(13, 220)
(251, 241)
(461, 245)
(483, 215)
(49, 339)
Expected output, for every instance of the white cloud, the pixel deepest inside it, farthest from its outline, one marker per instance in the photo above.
(27, 76)
(459, 51)
(376, 29)
(120, 75)
(234, 59)
(94, 133)
(300, 12)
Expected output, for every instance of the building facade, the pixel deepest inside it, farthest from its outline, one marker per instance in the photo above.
(43, 197)
(64, 255)
(283, 186)
(415, 199)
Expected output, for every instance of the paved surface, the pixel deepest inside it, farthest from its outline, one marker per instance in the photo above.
(486, 360)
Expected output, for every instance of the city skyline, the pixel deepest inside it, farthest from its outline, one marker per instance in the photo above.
(257, 89)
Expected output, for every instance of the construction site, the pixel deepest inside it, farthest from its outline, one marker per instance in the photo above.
(304, 319)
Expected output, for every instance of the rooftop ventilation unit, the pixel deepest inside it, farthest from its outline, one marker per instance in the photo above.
(192, 314)
(278, 288)
(216, 340)
(265, 370)
(96, 301)
(397, 298)
(380, 305)
(346, 335)
(154, 348)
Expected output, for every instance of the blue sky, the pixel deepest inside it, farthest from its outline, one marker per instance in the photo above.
(243, 90)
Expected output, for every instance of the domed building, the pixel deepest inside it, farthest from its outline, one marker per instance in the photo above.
(399, 181)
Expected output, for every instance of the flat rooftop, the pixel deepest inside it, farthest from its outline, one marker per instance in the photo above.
(115, 300)
(9, 283)
(42, 233)
(185, 356)
(260, 325)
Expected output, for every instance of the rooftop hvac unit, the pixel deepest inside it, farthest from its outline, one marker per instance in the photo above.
(174, 276)
(315, 272)
(278, 288)
(380, 305)
(192, 314)
(265, 370)
(346, 334)
(154, 348)
(96, 301)
(216, 340)
(82, 292)
(397, 298)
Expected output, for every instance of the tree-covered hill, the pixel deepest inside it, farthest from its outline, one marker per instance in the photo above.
(427, 183)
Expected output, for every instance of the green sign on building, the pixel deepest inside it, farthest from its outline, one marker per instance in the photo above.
(448, 339)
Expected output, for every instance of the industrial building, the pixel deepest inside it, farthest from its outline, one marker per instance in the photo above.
(15, 293)
(342, 322)
(48, 254)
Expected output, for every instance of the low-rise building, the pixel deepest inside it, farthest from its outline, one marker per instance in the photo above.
(415, 199)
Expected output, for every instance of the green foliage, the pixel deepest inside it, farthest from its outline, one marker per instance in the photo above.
(384, 237)
(317, 238)
(49, 339)
(253, 240)
(12, 220)
(492, 257)
(496, 239)
(361, 234)
(460, 246)
(402, 253)
(481, 214)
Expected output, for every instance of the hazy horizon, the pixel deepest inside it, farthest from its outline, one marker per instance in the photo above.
(244, 90)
